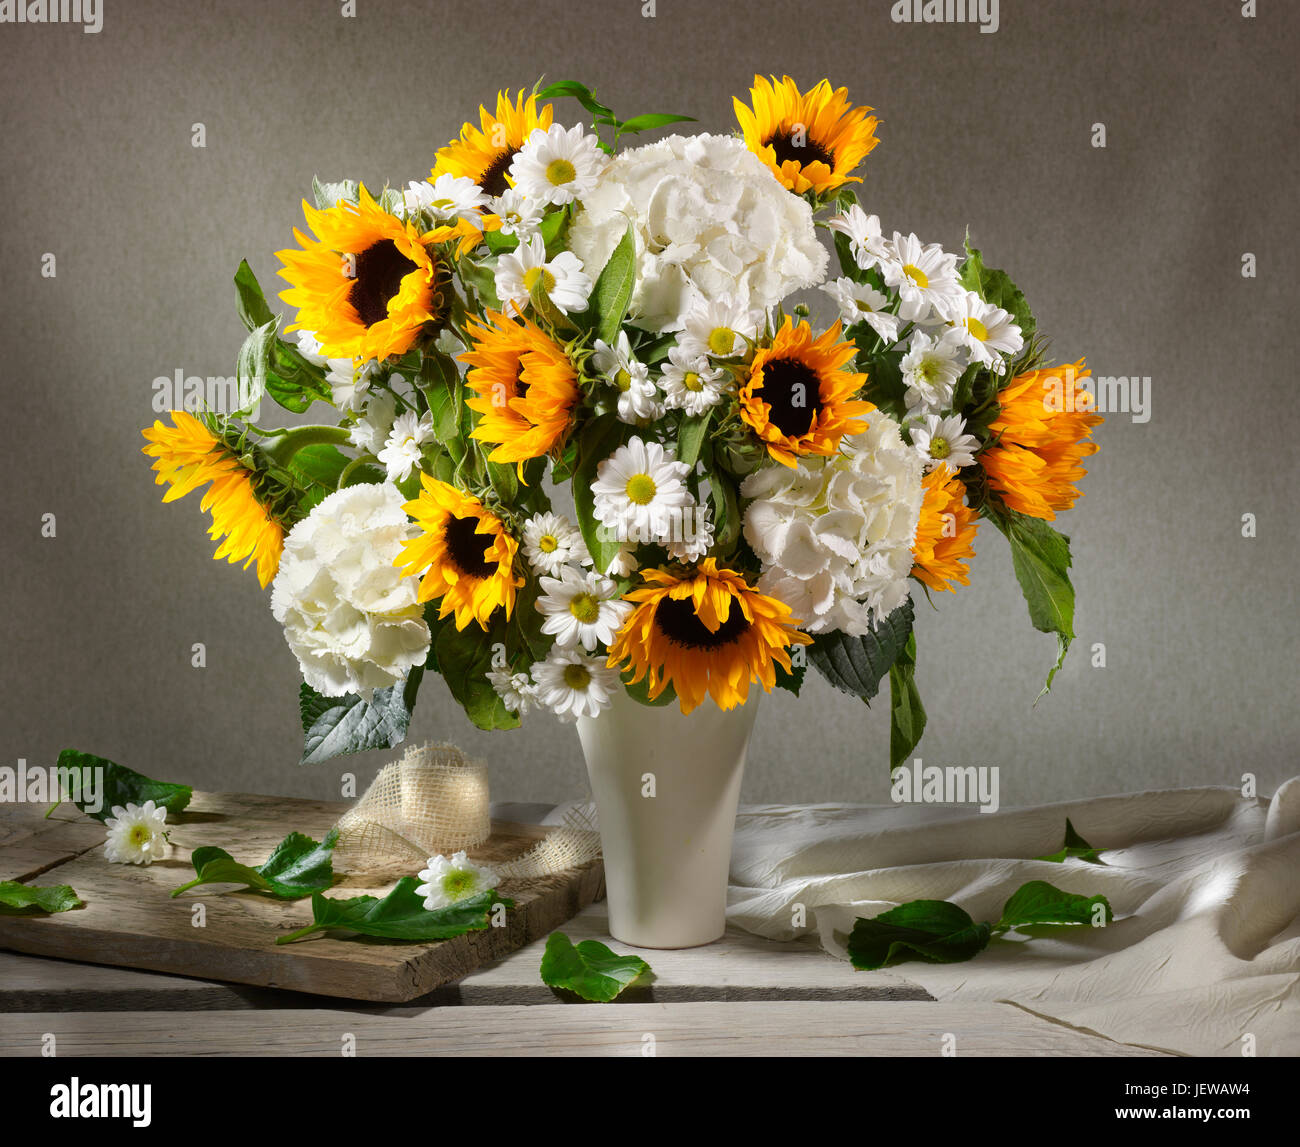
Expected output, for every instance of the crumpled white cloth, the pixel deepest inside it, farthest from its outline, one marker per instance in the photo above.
(1203, 956)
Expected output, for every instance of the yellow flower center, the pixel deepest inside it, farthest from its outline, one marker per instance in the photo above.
(534, 275)
(577, 676)
(560, 171)
(585, 608)
(939, 448)
(457, 883)
(140, 835)
(928, 369)
(977, 328)
(622, 380)
(641, 489)
(721, 340)
(548, 543)
(862, 305)
(913, 272)
(692, 381)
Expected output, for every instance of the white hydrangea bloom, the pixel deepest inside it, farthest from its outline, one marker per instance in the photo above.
(835, 534)
(709, 219)
(349, 615)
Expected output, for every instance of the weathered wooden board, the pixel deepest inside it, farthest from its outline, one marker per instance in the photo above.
(130, 919)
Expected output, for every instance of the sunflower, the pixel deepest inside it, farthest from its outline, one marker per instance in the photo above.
(796, 397)
(466, 551)
(186, 455)
(484, 155)
(706, 633)
(1040, 438)
(525, 388)
(944, 533)
(367, 284)
(810, 141)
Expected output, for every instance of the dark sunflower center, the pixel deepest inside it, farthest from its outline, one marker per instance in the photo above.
(493, 179)
(521, 383)
(465, 547)
(808, 151)
(676, 620)
(380, 271)
(791, 390)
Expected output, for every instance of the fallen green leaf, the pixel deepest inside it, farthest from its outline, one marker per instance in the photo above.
(401, 915)
(932, 930)
(1074, 846)
(589, 969)
(120, 786)
(29, 899)
(298, 867)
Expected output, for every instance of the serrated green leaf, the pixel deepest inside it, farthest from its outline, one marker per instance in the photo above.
(296, 868)
(32, 899)
(791, 682)
(401, 915)
(1075, 846)
(589, 969)
(333, 726)
(1040, 903)
(906, 713)
(996, 287)
(121, 786)
(613, 290)
(857, 665)
(934, 931)
(329, 194)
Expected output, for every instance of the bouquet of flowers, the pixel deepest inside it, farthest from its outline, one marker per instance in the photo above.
(583, 435)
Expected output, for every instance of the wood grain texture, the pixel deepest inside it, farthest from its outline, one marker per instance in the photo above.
(130, 919)
(767, 1028)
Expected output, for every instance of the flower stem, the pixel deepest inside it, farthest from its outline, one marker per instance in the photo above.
(286, 445)
(289, 937)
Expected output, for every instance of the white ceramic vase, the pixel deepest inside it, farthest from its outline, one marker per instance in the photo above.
(667, 855)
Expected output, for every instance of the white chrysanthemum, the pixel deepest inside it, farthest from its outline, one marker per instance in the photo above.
(925, 277)
(641, 491)
(690, 541)
(563, 279)
(447, 882)
(447, 198)
(519, 215)
(350, 383)
(551, 541)
(136, 834)
(691, 382)
(376, 422)
(867, 245)
(861, 302)
(516, 690)
(988, 332)
(709, 219)
(835, 534)
(349, 615)
(558, 165)
(401, 452)
(944, 440)
(571, 685)
(581, 608)
(718, 327)
(931, 368)
(638, 397)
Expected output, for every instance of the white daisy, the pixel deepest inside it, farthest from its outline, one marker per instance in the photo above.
(447, 882)
(136, 834)
(944, 440)
(931, 368)
(691, 540)
(925, 277)
(557, 165)
(373, 427)
(349, 383)
(552, 541)
(716, 326)
(563, 279)
(640, 490)
(988, 332)
(869, 247)
(572, 685)
(448, 197)
(691, 383)
(401, 452)
(518, 215)
(861, 302)
(515, 689)
(581, 608)
(638, 398)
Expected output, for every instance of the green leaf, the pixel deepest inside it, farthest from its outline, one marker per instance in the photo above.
(792, 682)
(996, 287)
(329, 194)
(333, 726)
(253, 310)
(691, 437)
(579, 92)
(906, 713)
(589, 969)
(482, 279)
(30, 899)
(934, 931)
(1040, 903)
(651, 120)
(1041, 559)
(253, 365)
(401, 915)
(1076, 847)
(601, 437)
(640, 692)
(321, 464)
(464, 658)
(298, 867)
(613, 290)
(856, 665)
(120, 786)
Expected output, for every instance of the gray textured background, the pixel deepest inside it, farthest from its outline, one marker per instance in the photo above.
(1130, 255)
